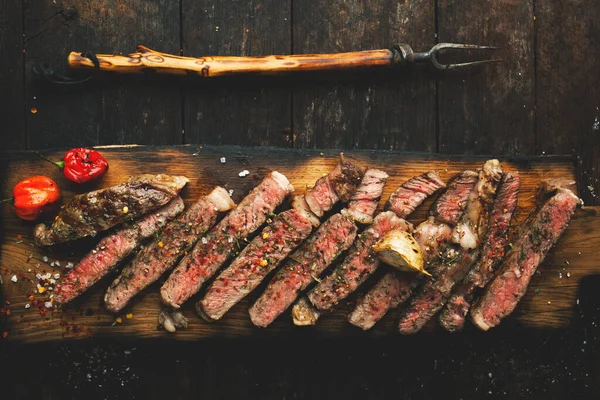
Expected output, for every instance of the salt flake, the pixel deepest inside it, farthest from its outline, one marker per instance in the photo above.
(244, 173)
(14, 278)
(223, 160)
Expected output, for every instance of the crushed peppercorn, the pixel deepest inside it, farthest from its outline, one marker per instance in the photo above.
(129, 316)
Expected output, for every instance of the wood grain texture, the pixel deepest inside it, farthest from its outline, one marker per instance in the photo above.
(243, 111)
(568, 86)
(106, 111)
(11, 76)
(489, 110)
(383, 110)
(205, 170)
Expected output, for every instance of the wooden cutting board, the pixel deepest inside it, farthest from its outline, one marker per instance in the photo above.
(549, 302)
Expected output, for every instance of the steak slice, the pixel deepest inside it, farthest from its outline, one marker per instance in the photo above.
(451, 204)
(542, 230)
(363, 202)
(332, 238)
(389, 292)
(413, 192)
(162, 253)
(453, 316)
(209, 254)
(339, 184)
(111, 250)
(448, 271)
(395, 287)
(90, 213)
(359, 264)
(254, 263)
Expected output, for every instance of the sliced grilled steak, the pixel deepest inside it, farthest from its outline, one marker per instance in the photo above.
(447, 273)
(299, 204)
(333, 237)
(359, 264)
(535, 240)
(93, 212)
(389, 292)
(339, 184)
(209, 254)
(111, 250)
(451, 204)
(453, 316)
(162, 253)
(363, 202)
(413, 192)
(254, 263)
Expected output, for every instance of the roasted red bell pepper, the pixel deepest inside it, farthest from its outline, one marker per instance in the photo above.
(81, 165)
(34, 196)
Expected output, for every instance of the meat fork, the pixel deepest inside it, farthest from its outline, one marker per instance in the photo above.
(145, 59)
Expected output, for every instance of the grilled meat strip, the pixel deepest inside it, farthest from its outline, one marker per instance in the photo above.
(395, 287)
(413, 192)
(209, 254)
(162, 253)
(333, 237)
(453, 316)
(111, 250)
(535, 239)
(363, 202)
(254, 263)
(451, 269)
(359, 264)
(93, 212)
(339, 184)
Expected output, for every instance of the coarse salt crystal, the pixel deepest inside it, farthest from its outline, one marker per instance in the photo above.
(223, 160)
(14, 278)
(57, 263)
(48, 276)
(45, 259)
(52, 281)
(70, 265)
(37, 265)
(56, 276)
(48, 304)
(38, 276)
(568, 274)
(230, 239)
(52, 264)
(230, 192)
(27, 305)
(244, 173)
(204, 240)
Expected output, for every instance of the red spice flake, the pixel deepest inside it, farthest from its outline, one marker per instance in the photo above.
(31, 298)
(5, 335)
(8, 312)
(7, 302)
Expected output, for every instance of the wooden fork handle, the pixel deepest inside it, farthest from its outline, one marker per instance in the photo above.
(145, 59)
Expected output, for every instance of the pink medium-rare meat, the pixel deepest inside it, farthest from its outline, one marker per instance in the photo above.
(359, 264)
(388, 293)
(254, 263)
(496, 242)
(304, 265)
(433, 238)
(212, 250)
(299, 204)
(161, 254)
(413, 192)
(452, 202)
(363, 202)
(111, 250)
(338, 185)
(536, 237)
(93, 212)
(446, 273)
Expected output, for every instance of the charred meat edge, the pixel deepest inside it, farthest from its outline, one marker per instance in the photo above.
(111, 250)
(90, 213)
(161, 254)
(209, 253)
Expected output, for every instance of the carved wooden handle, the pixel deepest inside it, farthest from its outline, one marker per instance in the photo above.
(146, 59)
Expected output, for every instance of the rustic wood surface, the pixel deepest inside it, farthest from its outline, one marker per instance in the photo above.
(543, 99)
(550, 301)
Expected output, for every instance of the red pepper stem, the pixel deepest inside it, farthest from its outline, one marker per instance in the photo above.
(59, 164)
(8, 201)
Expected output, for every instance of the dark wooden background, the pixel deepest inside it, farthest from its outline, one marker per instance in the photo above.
(544, 98)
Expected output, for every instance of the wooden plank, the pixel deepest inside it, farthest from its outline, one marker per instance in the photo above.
(109, 110)
(489, 110)
(242, 111)
(394, 109)
(568, 86)
(205, 170)
(11, 76)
